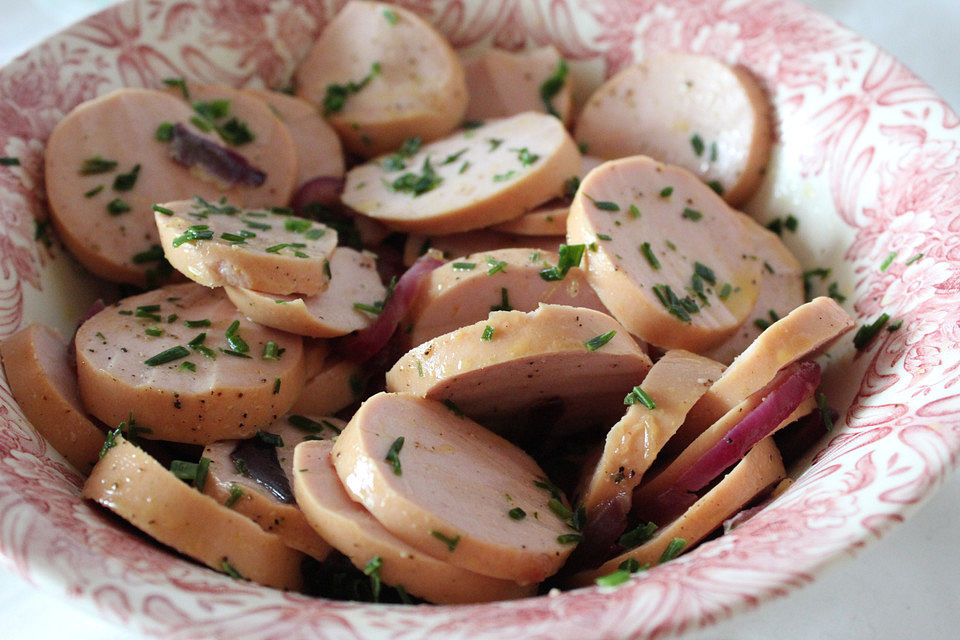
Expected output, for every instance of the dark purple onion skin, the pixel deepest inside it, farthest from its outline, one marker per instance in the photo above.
(189, 150)
(323, 190)
(364, 344)
(263, 466)
(603, 527)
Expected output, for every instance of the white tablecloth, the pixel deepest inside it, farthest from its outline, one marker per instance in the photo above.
(905, 586)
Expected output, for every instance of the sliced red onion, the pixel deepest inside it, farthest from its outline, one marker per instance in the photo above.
(779, 403)
(323, 190)
(189, 149)
(364, 344)
(604, 525)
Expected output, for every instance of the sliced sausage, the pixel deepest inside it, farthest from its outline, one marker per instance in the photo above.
(138, 489)
(218, 245)
(404, 81)
(461, 292)
(41, 381)
(187, 366)
(689, 110)
(245, 124)
(469, 180)
(580, 359)
(448, 488)
(349, 303)
(780, 292)
(546, 220)
(456, 245)
(756, 473)
(263, 478)
(101, 201)
(804, 333)
(674, 263)
(336, 386)
(673, 385)
(318, 148)
(359, 536)
(502, 83)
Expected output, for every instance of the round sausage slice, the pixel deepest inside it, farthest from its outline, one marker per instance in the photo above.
(381, 74)
(318, 148)
(674, 263)
(42, 383)
(359, 536)
(260, 472)
(689, 110)
(138, 489)
(756, 473)
(780, 292)
(674, 384)
(580, 359)
(187, 366)
(804, 333)
(219, 245)
(105, 168)
(473, 179)
(463, 244)
(336, 386)
(461, 292)
(446, 486)
(349, 302)
(547, 220)
(501, 83)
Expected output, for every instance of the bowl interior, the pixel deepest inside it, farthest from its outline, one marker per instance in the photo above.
(866, 157)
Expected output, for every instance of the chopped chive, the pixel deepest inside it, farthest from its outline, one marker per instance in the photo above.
(824, 411)
(570, 538)
(372, 569)
(418, 184)
(548, 486)
(464, 266)
(193, 324)
(193, 232)
(895, 326)
(634, 211)
(913, 259)
(95, 165)
(834, 292)
(154, 332)
(649, 255)
(171, 354)
(336, 94)
(614, 578)
(369, 308)
(272, 439)
(636, 537)
(487, 333)
(717, 187)
(154, 253)
(553, 85)
(447, 540)
(9, 161)
(235, 494)
(725, 291)
(326, 269)
(306, 424)
(570, 256)
(867, 332)
(496, 266)
(525, 157)
(393, 456)
(276, 386)
(503, 177)
(419, 368)
(234, 353)
(791, 223)
(603, 205)
(253, 224)
(504, 302)
(494, 143)
(666, 192)
(164, 132)
(117, 206)
(450, 404)
(97, 189)
(673, 550)
(472, 124)
(464, 167)
(604, 237)
(639, 395)
(705, 272)
(768, 267)
(888, 261)
(184, 470)
(111, 439)
(233, 237)
(230, 571)
(178, 83)
(697, 143)
(160, 209)
(270, 351)
(203, 468)
(559, 509)
(186, 365)
(692, 214)
(517, 513)
(296, 225)
(126, 181)
(596, 342)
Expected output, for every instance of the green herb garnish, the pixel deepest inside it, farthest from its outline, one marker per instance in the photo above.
(596, 342)
(393, 456)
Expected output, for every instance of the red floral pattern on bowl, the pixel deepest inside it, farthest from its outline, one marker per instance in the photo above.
(867, 157)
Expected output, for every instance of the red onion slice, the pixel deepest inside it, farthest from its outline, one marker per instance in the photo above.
(779, 403)
(603, 528)
(189, 149)
(323, 190)
(364, 344)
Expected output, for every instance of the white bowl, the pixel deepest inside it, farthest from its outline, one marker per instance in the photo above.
(867, 158)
